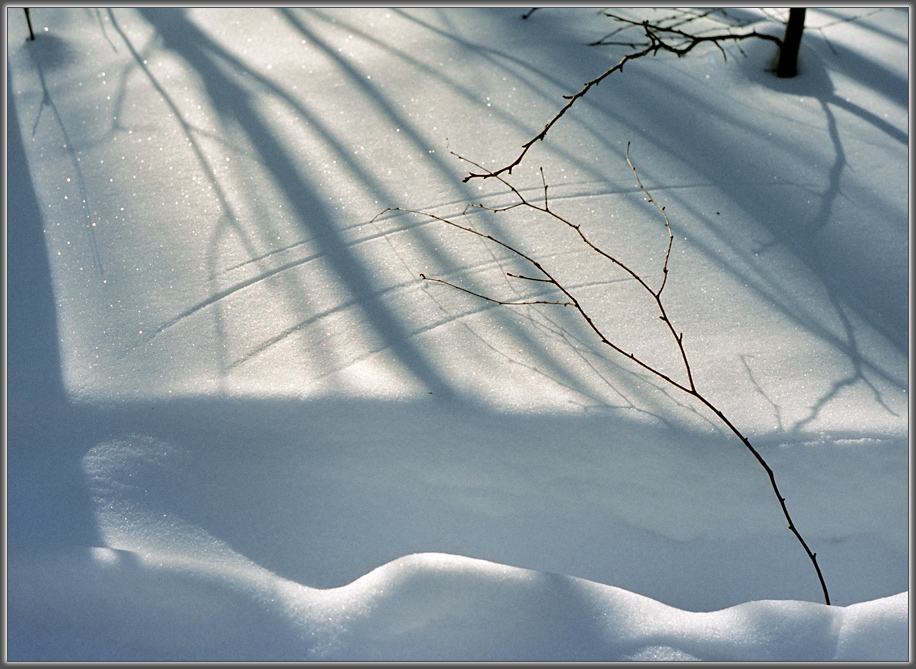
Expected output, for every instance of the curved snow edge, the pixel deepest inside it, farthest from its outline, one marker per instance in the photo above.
(64, 603)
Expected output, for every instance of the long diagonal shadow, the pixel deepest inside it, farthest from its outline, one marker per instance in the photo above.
(499, 59)
(235, 104)
(228, 214)
(556, 369)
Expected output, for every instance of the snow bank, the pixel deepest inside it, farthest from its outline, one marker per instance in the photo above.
(422, 607)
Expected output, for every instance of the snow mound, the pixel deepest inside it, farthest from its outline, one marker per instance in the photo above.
(421, 607)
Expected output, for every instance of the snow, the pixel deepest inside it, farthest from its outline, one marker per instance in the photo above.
(240, 427)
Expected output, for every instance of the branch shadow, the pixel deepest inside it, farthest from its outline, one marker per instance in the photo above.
(238, 107)
(846, 294)
(853, 297)
(239, 110)
(50, 52)
(882, 306)
(862, 295)
(294, 540)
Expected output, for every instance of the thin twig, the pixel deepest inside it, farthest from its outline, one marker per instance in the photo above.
(492, 299)
(678, 337)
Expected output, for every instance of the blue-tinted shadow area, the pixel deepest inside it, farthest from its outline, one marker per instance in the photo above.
(41, 440)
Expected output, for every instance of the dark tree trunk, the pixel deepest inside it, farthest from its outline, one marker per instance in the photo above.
(29, 21)
(788, 54)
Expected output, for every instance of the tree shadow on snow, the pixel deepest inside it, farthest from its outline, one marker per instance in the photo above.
(322, 492)
(240, 110)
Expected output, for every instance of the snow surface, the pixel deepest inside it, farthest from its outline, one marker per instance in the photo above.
(240, 426)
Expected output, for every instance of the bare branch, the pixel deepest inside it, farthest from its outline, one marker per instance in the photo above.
(571, 101)
(690, 387)
(655, 44)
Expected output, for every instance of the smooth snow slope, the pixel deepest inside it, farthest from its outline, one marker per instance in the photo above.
(240, 426)
(431, 606)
